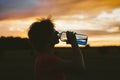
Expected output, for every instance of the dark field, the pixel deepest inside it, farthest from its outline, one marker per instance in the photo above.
(102, 63)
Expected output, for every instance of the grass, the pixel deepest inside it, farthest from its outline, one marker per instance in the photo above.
(102, 63)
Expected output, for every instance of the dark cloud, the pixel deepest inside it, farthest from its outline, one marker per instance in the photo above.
(27, 8)
(15, 8)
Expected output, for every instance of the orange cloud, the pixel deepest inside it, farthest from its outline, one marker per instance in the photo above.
(14, 9)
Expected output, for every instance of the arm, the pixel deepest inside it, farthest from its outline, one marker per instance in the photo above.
(77, 56)
(75, 64)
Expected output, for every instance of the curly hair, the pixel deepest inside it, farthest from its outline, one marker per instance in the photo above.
(39, 33)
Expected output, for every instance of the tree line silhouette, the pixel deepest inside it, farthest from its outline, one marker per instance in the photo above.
(13, 43)
(17, 43)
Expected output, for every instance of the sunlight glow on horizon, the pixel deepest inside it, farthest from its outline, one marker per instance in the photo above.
(104, 23)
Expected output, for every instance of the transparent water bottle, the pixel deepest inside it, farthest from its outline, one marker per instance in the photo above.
(81, 38)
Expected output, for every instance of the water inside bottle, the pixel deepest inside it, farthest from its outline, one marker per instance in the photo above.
(81, 42)
(81, 38)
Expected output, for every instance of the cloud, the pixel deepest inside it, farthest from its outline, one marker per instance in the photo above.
(15, 27)
(26, 8)
(104, 24)
(69, 12)
(105, 16)
(15, 8)
(110, 21)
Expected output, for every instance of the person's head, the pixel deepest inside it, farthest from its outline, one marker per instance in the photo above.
(42, 34)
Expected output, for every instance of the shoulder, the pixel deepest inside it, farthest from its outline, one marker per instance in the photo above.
(51, 57)
(47, 58)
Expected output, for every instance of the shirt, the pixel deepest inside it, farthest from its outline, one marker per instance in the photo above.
(44, 67)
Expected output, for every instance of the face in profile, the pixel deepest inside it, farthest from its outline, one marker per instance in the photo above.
(54, 37)
(42, 33)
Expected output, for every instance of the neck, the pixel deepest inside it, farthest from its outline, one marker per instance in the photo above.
(48, 49)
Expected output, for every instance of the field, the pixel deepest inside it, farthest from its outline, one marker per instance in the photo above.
(102, 63)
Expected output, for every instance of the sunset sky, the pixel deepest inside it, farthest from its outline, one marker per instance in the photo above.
(99, 19)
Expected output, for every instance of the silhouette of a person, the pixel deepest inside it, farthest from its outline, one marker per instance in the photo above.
(48, 66)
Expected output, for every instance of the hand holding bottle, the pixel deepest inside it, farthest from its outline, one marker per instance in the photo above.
(67, 36)
(71, 38)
